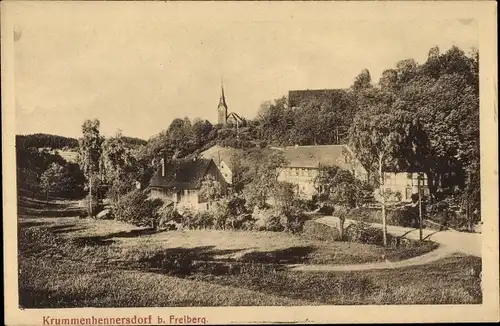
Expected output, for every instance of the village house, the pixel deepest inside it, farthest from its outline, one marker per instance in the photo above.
(305, 162)
(404, 184)
(179, 182)
(223, 158)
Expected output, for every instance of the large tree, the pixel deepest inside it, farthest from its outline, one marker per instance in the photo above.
(52, 180)
(89, 155)
(381, 137)
(120, 166)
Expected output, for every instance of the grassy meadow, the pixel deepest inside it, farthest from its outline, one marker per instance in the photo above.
(81, 262)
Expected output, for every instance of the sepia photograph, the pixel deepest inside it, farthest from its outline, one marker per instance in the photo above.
(174, 154)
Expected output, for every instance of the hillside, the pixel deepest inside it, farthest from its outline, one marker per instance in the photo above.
(53, 142)
(40, 140)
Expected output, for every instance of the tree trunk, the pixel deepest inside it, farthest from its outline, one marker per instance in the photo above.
(341, 228)
(382, 195)
(431, 185)
(90, 195)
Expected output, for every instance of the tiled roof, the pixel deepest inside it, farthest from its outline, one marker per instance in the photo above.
(313, 156)
(181, 174)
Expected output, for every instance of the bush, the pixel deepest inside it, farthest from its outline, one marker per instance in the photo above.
(306, 205)
(243, 221)
(404, 216)
(232, 213)
(190, 219)
(273, 223)
(326, 209)
(168, 216)
(96, 205)
(137, 209)
(365, 214)
(294, 220)
(317, 231)
(361, 232)
(267, 220)
(221, 214)
(205, 220)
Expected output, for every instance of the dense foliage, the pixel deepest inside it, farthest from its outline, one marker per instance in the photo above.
(45, 141)
(135, 208)
(33, 164)
(418, 116)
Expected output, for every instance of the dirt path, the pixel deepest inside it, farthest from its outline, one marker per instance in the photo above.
(449, 242)
(467, 243)
(427, 258)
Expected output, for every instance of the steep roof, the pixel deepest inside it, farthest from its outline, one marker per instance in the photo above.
(313, 156)
(219, 154)
(181, 174)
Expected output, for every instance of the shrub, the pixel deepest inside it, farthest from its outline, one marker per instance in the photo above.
(205, 220)
(96, 205)
(221, 214)
(294, 220)
(365, 214)
(326, 209)
(404, 216)
(136, 208)
(268, 220)
(317, 231)
(306, 205)
(168, 216)
(361, 232)
(232, 213)
(190, 219)
(273, 223)
(243, 221)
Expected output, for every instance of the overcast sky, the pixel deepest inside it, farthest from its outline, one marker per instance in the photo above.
(135, 66)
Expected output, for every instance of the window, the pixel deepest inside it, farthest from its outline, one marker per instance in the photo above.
(296, 171)
(309, 172)
(408, 193)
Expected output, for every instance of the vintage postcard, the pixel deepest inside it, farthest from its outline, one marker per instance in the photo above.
(178, 163)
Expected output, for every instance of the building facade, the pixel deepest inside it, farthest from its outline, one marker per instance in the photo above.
(179, 183)
(224, 159)
(402, 185)
(305, 163)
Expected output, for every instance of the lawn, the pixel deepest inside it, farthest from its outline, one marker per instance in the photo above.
(74, 262)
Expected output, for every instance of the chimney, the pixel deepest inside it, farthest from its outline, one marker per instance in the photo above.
(162, 166)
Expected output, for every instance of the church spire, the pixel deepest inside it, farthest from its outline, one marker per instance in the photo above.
(222, 101)
(222, 108)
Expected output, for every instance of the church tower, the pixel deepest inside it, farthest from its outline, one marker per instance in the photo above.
(222, 108)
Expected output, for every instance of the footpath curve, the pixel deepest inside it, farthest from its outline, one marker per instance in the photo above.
(449, 242)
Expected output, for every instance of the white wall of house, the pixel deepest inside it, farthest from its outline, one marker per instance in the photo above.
(303, 178)
(226, 172)
(404, 183)
(182, 199)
